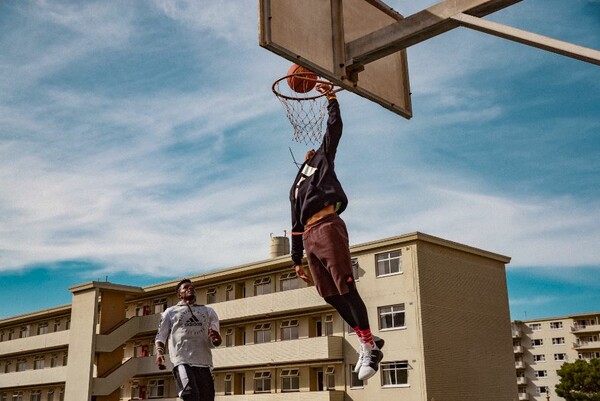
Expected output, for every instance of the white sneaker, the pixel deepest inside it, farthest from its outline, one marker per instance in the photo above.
(370, 362)
(379, 342)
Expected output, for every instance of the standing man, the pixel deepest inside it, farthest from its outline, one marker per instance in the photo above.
(317, 200)
(193, 330)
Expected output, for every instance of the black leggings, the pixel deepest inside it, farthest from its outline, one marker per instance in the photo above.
(351, 308)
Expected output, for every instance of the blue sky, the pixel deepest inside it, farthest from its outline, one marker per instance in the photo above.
(140, 142)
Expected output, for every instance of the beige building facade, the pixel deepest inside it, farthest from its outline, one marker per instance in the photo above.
(442, 308)
(542, 346)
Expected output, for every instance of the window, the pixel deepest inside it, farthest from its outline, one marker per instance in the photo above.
(288, 281)
(262, 286)
(24, 332)
(229, 339)
(61, 394)
(135, 391)
(36, 395)
(541, 373)
(289, 330)
(56, 325)
(394, 373)
(262, 333)
(17, 396)
(329, 378)
(11, 334)
(156, 388)
(355, 269)
(211, 296)
(53, 359)
(290, 380)
(391, 317)
(541, 390)
(354, 381)
(262, 382)
(558, 340)
(328, 325)
(4, 397)
(159, 305)
(560, 357)
(229, 293)
(42, 328)
(65, 358)
(539, 358)
(7, 367)
(21, 364)
(556, 325)
(38, 362)
(50, 395)
(388, 263)
(228, 384)
(535, 326)
(537, 342)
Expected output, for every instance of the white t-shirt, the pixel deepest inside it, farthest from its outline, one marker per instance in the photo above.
(186, 327)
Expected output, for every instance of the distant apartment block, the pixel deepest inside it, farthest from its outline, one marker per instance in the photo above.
(541, 346)
(442, 308)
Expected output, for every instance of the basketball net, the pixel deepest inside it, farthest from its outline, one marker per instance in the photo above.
(305, 111)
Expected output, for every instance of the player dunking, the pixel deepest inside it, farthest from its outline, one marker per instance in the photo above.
(317, 199)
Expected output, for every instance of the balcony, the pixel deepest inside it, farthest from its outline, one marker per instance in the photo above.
(34, 377)
(585, 328)
(269, 304)
(299, 396)
(522, 381)
(517, 333)
(523, 396)
(33, 343)
(518, 349)
(519, 365)
(586, 345)
(303, 350)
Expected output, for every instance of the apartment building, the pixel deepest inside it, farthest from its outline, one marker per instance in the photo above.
(442, 308)
(541, 346)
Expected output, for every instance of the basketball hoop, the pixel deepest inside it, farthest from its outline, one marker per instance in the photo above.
(305, 110)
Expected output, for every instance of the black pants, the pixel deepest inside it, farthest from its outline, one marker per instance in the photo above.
(194, 383)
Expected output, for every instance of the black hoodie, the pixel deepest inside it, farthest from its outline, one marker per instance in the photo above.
(316, 184)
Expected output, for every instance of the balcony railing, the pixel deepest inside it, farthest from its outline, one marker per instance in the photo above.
(584, 345)
(299, 396)
(517, 333)
(519, 365)
(36, 342)
(34, 377)
(269, 304)
(518, 349)
(522, 380)
(523, 396)
(585, 328)
(291, 351)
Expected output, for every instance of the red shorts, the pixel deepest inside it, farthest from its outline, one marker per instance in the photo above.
(328, 254)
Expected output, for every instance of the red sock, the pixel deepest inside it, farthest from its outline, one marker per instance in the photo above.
(366, 337)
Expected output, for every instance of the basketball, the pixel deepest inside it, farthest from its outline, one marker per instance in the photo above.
(304, 82)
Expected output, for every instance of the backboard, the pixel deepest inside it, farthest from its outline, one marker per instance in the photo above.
(314, 34)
